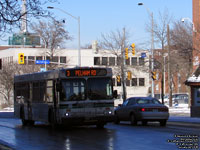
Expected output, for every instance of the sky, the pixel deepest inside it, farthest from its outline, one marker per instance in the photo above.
(103, 16)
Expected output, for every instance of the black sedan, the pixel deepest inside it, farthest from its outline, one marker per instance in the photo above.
(143, 109)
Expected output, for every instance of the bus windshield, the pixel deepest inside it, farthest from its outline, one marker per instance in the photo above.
(74, 89)
(97, 89)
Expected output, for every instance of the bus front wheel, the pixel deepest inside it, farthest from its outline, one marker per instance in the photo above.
(52, 119)
(22, 116)
(100, 125)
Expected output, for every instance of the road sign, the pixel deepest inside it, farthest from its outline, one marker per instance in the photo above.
(42, 62)
(143, 55)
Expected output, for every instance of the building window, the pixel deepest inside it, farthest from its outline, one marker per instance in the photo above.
(127, 82)
(38, 57)
(48, 58)
(25, 60)
(119, 60)
(113, 80)
(141, 81)
(0, 64)
(63, 59)
(31, 60)
(141, 61)
(134, 61)
(105, 61)
(96, 60)
(128, 61)
(111, 61)
(157, 87)
(55, 59)
(134, 81)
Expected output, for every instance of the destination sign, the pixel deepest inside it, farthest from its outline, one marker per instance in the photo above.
(85, 72)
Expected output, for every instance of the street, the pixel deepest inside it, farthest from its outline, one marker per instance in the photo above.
(112, 137)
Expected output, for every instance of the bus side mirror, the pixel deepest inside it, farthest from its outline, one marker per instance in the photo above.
(115, 94)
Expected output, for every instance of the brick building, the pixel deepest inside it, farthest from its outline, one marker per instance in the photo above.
(196, 33)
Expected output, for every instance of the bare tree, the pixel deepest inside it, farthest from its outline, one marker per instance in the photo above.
(160, 32)
(181, 39)
(53, 35)
(11, 12)
(7, 74)
(115, 43)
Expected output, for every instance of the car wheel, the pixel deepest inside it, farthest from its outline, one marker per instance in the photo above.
(163, 122)
(144, 122)
(116, 121)
(133, 119)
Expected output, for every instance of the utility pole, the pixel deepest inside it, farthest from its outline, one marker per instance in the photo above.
(152, 53)
(152, 46)
(123, 66)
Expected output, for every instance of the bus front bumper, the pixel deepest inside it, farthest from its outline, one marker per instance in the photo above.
(88, 120)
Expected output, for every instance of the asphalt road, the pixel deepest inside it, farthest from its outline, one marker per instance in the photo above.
(112, 137)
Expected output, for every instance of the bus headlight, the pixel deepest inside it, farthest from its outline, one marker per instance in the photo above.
(67, 114)
(108, 112)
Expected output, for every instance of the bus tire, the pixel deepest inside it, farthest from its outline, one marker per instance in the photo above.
(100, 125)
(31, 122)
(22, 116)
(52, 119)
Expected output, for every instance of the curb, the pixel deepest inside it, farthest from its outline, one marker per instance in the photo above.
(184, 124)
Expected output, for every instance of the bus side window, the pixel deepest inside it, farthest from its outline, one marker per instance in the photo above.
(49, 93)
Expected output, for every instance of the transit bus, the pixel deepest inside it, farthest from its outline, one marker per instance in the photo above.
(72, 96)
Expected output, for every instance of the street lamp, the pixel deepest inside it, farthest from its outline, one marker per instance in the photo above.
(152, 45)
(193, 27)
(79, 41)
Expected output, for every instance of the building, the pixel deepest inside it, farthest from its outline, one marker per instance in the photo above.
(138, 65)
(196, 33)
(161, 68)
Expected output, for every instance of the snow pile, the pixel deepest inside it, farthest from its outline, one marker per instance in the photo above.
(184, 110)
(193, 79)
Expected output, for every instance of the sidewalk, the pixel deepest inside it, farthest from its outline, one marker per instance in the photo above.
(180, 116)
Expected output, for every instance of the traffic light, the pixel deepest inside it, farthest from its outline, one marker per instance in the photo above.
(129, 75)
(133, 49)
(153, 75)
(118, 79)
(21, 58)
(126, 53)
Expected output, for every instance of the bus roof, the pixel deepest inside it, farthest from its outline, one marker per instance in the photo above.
(62, 73)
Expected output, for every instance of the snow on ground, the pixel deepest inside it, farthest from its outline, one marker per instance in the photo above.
(7, 109)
